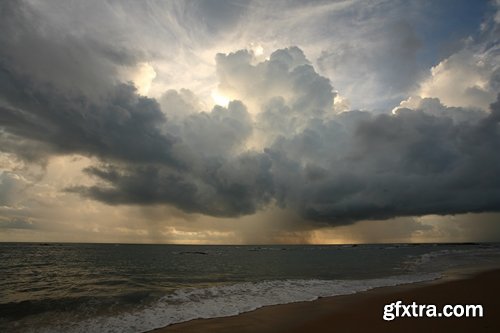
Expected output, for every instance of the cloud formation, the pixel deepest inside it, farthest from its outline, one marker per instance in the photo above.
(285, 140)
(331, 168)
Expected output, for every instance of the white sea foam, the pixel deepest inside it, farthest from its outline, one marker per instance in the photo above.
(229, 300)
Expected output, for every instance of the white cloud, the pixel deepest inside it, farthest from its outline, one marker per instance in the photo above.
(463, 80)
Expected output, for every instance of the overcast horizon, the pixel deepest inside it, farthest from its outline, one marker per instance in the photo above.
(249, 121)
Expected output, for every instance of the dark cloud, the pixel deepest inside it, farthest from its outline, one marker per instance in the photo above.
(122, 125)
(221, 178)
(410, 164)
(59, 94)
(222, 188)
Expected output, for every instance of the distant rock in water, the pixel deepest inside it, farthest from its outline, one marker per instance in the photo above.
(194, 252)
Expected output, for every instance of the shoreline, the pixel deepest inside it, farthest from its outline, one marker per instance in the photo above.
(363, 311)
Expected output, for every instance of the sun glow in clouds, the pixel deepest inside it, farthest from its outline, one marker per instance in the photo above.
(257, 50)
(220, 99)
(143, 78)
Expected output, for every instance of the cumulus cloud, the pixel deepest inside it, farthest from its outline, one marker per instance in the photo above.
(358, 166)
(464, 79)
(469, 77)
(330, 168)
(287, 74)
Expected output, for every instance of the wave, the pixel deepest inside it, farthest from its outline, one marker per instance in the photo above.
(227, 300)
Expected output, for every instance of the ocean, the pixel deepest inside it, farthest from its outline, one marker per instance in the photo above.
(136, 288)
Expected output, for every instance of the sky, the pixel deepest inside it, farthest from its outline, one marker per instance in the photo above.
(249, 121)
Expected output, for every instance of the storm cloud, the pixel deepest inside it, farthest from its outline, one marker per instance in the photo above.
(282, 140)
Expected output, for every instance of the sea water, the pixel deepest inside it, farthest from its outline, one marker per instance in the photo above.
(136, 288)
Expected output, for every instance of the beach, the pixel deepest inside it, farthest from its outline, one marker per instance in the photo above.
(362, 312)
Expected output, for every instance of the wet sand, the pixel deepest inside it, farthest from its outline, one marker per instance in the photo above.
(363, 312)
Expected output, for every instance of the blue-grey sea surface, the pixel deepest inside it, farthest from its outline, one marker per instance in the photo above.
(136, 288)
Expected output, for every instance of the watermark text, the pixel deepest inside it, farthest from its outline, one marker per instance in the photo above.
(414, 310)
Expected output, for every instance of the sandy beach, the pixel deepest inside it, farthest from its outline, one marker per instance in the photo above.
(363, 312)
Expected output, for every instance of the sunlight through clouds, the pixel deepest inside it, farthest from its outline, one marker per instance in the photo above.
(143, 78)
(220, 99)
